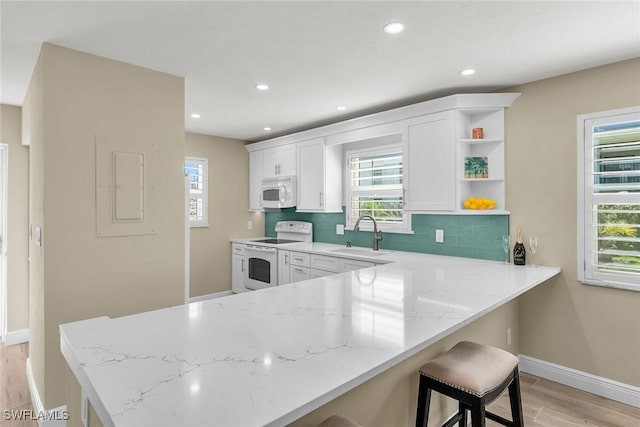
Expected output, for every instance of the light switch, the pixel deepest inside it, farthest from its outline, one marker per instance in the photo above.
(439, 236)
(340, 229)
(249, 225)
(38, 236)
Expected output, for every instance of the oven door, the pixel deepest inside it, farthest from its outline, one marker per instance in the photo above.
(262, 267)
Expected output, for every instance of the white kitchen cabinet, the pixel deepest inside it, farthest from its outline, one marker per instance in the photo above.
(320, 273)
(279, 161)
(354, 264)
(238, 265)
(326, 263)
(489, 150)
(429, 175)
(299, 274)
(284, 267)
(256, 173)
(319, 177)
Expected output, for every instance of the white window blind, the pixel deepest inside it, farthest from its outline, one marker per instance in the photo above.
(196, 170)
(610, 211)
(375, 187)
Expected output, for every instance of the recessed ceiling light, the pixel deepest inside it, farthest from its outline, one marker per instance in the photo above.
(267, 128)
(195, 116)
(341, 108)
(262, 86)
(393, 27)
(468, 72)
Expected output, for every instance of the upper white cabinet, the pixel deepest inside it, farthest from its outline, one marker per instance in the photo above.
(319, 177)
(279, 161)
(487, 180)
(443, 163)
(256, 173)
(429, 177)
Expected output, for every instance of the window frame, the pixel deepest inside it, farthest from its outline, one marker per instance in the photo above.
(587, 274)
(204, 222)
(401, 228)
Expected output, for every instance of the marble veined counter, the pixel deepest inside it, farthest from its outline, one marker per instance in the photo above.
(271, 356)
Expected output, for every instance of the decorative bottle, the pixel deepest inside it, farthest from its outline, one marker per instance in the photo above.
(519, 253)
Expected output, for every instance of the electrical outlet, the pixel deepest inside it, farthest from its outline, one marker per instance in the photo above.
(439, 236)
(508, 337)
(249, 225)
(340, 229)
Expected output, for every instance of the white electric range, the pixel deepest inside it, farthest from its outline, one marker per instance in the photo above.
(261, 255)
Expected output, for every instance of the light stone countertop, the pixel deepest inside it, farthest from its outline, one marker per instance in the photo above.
(268, 357)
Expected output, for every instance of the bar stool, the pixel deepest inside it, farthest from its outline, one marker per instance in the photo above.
(474, 375)
(338, 421)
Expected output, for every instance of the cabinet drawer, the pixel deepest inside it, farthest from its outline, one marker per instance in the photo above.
(320, 273)
(353, 264)
(325, 263)
(237, 249)
(299, 273)
(301, 259)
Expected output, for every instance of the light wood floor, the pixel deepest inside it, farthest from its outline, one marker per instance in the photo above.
(549, 404)
(14, 391)
(546, 404)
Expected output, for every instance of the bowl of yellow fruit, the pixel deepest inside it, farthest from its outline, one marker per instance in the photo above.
(479, 203)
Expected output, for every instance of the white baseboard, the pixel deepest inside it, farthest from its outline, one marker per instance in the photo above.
(55, 417)
(209, 296)
(584, 381)
(16, 337)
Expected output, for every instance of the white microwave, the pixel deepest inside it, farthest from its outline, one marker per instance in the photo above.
(279, 192)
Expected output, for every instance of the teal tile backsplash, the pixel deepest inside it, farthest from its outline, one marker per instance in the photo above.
(469, 236)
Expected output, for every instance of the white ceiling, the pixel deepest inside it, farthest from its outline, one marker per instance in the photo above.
(318, 55)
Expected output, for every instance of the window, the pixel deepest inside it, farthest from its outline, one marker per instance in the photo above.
(196, 169)
(374, 187)
(609, 198)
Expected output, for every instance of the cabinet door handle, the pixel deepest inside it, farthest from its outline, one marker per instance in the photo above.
(321, 198)
(279, 169)
(286, 259)
(242, 266)
(275, 169)
(404, 195)
(299, 270)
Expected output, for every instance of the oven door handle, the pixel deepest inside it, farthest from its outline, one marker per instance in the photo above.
(260, 249)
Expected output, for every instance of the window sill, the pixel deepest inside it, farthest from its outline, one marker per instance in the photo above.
(614, 285)
(201, 225)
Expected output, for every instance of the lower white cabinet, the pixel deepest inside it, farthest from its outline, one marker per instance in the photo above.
(325, 263)
(238, 266)
(284, 267)
(298, 274)
(354, 264)
(320, 273)
(297, 266)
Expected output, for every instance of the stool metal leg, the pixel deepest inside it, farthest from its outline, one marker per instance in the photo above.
(424, 400)
(462, 410)
(478, 414)
(515, 400)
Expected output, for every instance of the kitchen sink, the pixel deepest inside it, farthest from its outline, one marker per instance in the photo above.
(359, 252)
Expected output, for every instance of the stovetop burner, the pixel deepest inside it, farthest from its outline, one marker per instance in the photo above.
(276, 241)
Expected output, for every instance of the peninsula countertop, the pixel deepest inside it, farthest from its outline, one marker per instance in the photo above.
(271, 356)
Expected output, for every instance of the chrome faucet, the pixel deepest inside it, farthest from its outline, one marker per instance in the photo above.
(376, 234)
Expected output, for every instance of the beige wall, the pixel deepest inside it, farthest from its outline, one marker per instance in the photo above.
(210, 249)
(17, 219)
(588, 328)
(33, 132)
(82, 96)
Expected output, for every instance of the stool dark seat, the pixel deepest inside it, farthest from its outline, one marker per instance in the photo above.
(474, 375)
